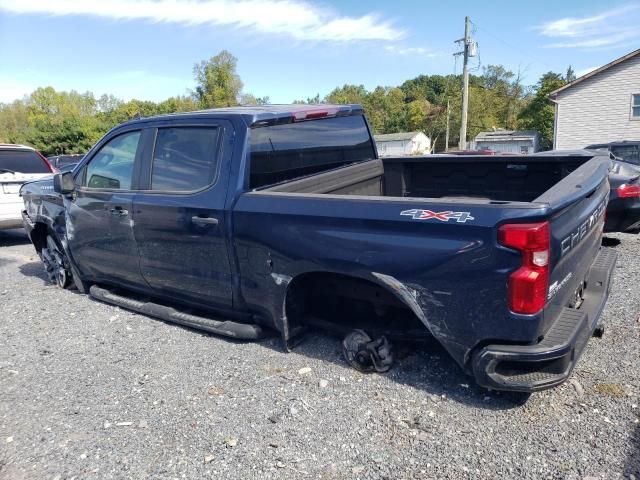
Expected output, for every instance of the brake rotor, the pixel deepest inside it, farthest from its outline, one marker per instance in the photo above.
(366, 355)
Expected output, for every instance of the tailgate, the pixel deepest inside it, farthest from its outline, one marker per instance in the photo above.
(578, 204)
(9, 194)
(10, 183)
(10, 201)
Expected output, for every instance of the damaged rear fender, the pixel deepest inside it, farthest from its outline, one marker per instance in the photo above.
(413, 297)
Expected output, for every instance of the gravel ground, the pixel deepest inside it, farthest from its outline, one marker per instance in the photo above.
(92, 391)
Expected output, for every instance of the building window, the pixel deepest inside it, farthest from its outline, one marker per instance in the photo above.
(635, 106)
(524, 149)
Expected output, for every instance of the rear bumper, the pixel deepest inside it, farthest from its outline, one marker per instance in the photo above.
(10, 213)
(529, 368)
(623, 214)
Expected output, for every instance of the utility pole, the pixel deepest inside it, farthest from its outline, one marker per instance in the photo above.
(466, 44)
(446, 136)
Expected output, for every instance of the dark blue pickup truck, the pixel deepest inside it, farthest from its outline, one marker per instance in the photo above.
(247, 220)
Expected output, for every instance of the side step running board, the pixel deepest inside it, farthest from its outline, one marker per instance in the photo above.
(228, 328)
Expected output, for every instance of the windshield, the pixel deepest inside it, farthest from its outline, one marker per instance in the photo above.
(22, 161)
(287, 151)
(629, 153)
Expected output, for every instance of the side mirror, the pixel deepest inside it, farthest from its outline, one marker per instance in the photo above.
(63, 183)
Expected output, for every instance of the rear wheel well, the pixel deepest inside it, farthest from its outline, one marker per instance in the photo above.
(341, 303)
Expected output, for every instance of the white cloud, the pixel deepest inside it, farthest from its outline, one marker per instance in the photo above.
(604, 40)
(606, 29)
(416, 51)
(294, 18)
(578, 27)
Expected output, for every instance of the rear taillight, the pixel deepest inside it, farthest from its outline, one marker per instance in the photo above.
(628, 191)
(528, 285)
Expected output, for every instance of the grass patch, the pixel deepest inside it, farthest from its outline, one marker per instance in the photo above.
(611, 389)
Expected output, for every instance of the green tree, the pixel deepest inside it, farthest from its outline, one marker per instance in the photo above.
(13, 122)
(309, 101)
(177, 104)
(217, 83)
(249, 99)
(66, 122)
(570, 75)
(432, 88)
(539, 114)
(124, 111)
(386, 110)
(348, 94)
(61, 122)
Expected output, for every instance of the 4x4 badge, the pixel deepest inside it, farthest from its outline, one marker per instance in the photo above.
(418, 214)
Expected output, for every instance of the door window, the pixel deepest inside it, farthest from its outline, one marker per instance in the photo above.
(112, 167)
(184, 159)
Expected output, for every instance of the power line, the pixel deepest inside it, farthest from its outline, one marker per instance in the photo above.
(520, 50)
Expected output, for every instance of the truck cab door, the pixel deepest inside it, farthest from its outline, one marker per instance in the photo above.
(99, 221)
(180, 224)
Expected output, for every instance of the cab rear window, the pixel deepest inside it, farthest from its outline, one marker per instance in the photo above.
(22, 161)
(284, 152)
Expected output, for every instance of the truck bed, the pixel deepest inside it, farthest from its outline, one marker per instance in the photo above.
(505, 179)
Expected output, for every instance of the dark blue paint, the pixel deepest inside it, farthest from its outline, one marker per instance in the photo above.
(237, 266)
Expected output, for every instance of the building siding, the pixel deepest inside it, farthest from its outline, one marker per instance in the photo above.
(417, 145)
(514, 146)
(598, 109)
(394, 147)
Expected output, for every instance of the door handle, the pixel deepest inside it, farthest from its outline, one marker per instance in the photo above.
(204, 220)
(119, 212)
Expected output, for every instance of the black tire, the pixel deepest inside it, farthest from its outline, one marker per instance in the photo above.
(599, 330)
(56, 263)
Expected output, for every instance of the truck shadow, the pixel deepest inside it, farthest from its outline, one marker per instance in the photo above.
(10, 238)
(632, 466)
(610, 242)
(423, 365)
(34, 269)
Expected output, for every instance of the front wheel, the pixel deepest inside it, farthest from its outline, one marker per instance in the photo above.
(56, 264)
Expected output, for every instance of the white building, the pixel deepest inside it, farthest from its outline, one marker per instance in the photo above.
(600, 107)
(508, 141)
(399, 144)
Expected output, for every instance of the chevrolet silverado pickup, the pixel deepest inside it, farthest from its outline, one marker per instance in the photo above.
(247, 220)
